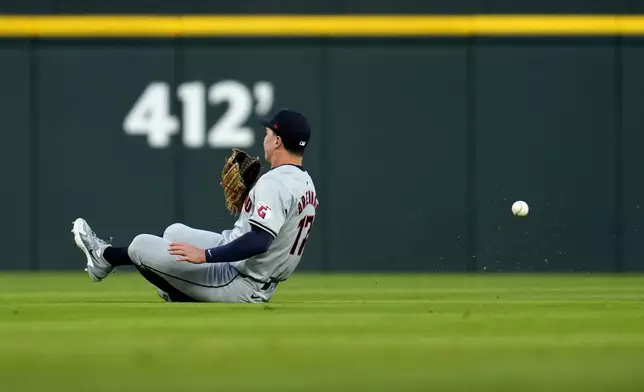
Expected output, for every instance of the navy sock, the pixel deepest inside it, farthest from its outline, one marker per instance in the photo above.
(117, 256)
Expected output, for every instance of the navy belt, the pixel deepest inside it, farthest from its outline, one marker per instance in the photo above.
(267, 285)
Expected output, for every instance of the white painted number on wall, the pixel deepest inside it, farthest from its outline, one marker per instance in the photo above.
(151, 115)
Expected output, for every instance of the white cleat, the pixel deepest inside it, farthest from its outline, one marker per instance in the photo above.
(97, 267)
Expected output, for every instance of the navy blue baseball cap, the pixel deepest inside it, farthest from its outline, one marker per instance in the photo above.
(292, 127)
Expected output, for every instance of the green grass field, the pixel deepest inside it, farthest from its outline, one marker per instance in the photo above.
(60, 332)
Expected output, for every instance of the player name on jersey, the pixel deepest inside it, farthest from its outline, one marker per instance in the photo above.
(305, 200)
(308, 198)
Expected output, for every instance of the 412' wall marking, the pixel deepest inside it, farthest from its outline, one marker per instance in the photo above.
(150, 116)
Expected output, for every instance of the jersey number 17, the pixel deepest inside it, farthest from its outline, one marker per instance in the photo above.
(307, 221)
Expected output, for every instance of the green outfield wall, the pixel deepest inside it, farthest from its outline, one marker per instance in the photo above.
(421, 142)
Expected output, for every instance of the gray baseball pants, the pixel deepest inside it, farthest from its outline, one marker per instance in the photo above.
(208, 282)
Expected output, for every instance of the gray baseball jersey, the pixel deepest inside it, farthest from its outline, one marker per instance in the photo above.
(283, 202)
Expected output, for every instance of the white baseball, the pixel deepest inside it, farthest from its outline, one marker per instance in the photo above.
(520, 208)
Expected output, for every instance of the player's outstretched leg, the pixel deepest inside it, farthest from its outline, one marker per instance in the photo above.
(92, 246)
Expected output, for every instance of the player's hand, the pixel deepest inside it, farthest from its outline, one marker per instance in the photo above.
(187, 252)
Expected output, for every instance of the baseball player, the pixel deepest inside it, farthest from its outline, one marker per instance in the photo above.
(243, 264)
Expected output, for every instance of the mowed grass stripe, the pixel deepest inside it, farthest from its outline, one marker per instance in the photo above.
(356, 332)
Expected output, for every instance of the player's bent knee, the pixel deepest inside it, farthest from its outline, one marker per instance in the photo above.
(138, 247)
(173, 231)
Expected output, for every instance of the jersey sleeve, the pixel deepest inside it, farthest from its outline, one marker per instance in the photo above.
(271, 203)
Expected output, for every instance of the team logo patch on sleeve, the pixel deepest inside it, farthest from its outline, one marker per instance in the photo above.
(264, 211)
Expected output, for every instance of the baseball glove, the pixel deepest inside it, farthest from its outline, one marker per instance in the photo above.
(238, 176)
